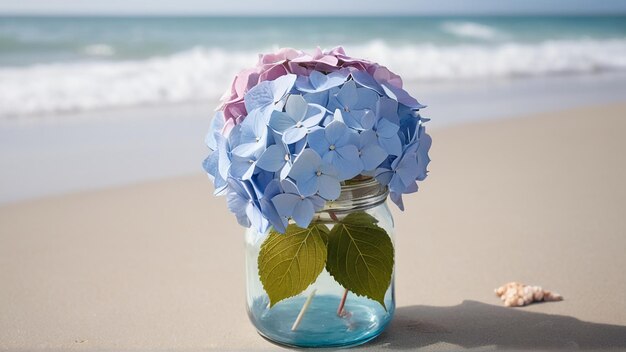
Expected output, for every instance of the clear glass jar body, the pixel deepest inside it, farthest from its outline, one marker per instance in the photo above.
(362, 319)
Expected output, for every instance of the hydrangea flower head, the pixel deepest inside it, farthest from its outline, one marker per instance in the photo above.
(291, 129)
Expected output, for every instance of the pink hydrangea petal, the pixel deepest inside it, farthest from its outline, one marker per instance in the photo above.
(291, 61)
(382, 75)
(273, 73)
(336, 51)
(282, 55)
(235, 109)
(241, 81)
(296, 69)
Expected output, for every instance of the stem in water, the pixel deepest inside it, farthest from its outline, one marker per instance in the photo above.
(340, 310)
(302, 311)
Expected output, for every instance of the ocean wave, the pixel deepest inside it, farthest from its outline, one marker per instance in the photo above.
(202, 74)
(472, 30)
(99, 50)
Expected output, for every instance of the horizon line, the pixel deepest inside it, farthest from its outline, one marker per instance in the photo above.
(287, 15)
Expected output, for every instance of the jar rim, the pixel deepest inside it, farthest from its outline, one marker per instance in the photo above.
(359, 193)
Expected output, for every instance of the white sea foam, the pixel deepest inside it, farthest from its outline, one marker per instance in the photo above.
(99, 50)
(203, 74)
(472, 30)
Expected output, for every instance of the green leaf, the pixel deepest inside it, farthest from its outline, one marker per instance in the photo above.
(289, 263)
(360, 256)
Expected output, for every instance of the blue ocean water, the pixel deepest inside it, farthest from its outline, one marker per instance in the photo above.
(60, 64)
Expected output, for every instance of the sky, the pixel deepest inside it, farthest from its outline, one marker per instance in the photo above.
(318, 7)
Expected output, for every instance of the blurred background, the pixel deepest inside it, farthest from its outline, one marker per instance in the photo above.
(100, 94)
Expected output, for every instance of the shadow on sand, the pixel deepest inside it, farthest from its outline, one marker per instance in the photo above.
(473, 325)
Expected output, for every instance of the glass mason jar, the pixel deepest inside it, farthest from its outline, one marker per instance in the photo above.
(325, 314)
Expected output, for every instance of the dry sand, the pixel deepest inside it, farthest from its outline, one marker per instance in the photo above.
(159, 265)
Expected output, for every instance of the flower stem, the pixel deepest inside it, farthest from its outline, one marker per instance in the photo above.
(302, 311)
(340, 310)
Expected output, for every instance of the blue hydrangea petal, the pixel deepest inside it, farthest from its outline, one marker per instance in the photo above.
(366, 80)
(367, 99)
(307, 186)
(224, 162)
(217, 124)
(303, 212)
(397, 199)
(257, 220)
(259, 96)
(317, 79)
(266, 93)
(210, 164)
(319, 98)
(372, 156)
(296, 107)
(269, 210)
(288, 186)
(284, 172)
(273, 188)
(280, 121)
(369, 120)
(422, 156)
(318, 142)
(334, 131)
(411, 188)
(392, 145)
(237, 200)
(335, 79)
(314, 115)
(383, 176)
(347, 162)
(294, 134)
(396, 185)
(259, 182)
(303, 172)
(246, 149)
(407, 169)
(285, 203)
(347, 95)
(386, 128)
(272, 159)
(318, 202)
(282, 85)
(328, 187)
(371, 153)
(401, 96)
(328, 169)
(242, 167)
(351, 119)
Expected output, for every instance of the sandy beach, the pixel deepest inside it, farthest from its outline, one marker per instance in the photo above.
(159, 265)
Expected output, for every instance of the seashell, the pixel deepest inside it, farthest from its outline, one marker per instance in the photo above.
(515, 294)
